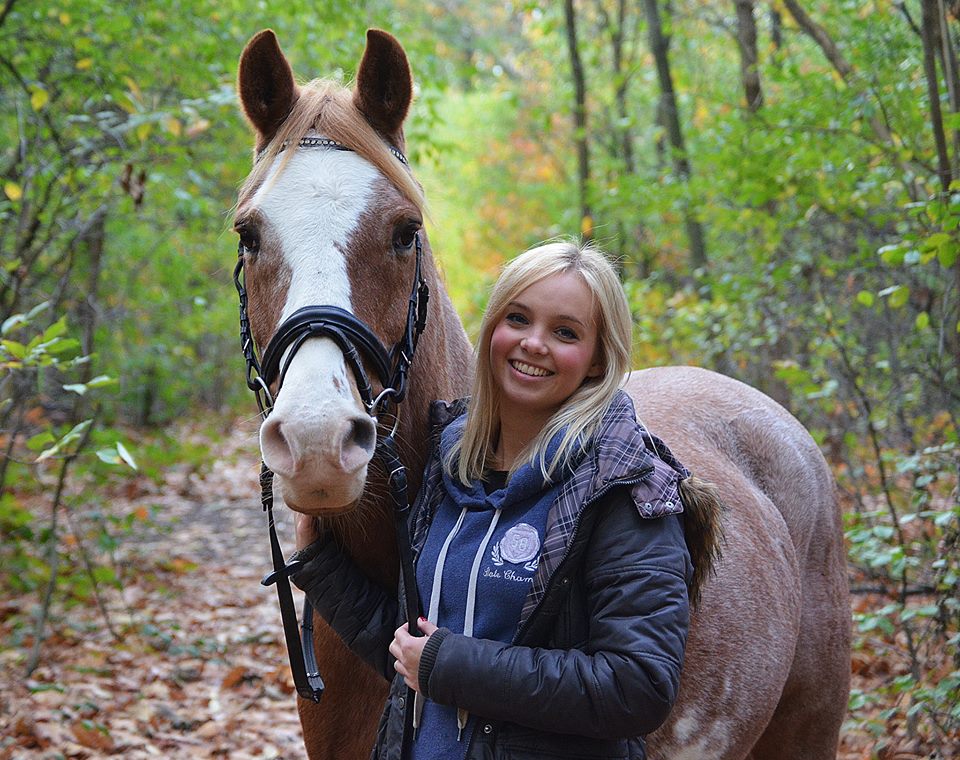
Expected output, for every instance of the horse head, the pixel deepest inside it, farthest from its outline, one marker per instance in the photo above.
(331, 215)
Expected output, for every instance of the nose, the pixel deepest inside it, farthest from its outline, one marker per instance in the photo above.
(533, 344)
(288, 449)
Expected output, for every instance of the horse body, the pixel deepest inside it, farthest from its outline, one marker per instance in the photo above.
(767, 668)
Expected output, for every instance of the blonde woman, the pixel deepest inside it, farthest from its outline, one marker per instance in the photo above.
(548, 541)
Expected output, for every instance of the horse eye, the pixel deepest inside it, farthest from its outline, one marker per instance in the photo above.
(249, 239)
(404, 237)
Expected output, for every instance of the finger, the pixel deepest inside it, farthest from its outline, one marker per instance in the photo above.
(426, 626)
(307, 529)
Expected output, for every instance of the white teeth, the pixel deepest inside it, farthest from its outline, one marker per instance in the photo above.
(527, 369)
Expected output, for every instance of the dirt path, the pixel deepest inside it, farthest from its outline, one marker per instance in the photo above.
(200, 670)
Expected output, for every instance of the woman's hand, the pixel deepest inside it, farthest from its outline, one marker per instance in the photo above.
(307, 529)
(407, 650)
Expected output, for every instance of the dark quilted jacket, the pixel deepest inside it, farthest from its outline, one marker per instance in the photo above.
(597, 657)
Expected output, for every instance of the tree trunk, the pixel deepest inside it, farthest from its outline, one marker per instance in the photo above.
(931, 35)
(747, 42)
(660, 47)
(621, 78)
(776, 28)
(951, 76)
(579, 121)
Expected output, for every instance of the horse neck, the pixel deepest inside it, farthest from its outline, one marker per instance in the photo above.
(442, 368)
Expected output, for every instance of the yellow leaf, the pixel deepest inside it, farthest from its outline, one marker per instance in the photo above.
(134, 88)
(586, 225)
(65, 18)
(13, 191)
(84, 63)
(39, 98)
(173, 126)
(144, 130)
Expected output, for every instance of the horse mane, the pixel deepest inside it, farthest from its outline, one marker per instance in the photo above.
(326, 107)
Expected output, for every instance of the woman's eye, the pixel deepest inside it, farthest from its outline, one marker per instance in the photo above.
(517, 319)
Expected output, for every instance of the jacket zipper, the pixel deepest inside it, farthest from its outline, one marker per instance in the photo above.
(628, 481)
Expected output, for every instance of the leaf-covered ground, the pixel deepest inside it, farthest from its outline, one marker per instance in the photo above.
(199, 670)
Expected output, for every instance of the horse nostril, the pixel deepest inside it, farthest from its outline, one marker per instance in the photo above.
(357, 443)
(276, 449)
(362, 434)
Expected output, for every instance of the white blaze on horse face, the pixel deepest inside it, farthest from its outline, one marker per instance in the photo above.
(319, 438)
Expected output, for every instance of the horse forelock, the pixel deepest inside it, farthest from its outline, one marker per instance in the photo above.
(326, 108)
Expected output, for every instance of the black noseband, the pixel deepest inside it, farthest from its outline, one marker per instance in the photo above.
(355, 340)
(348, 332)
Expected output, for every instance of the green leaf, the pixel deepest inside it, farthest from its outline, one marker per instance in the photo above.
(947, 255)
(11, 323)
(55, 330)
(126, 456)
(865, 298)
(898, 295)
(76, 432)
(60, 345)
(937, 240)
(922, 321)
(110, 456)
(38, 441)
(101, 381)
(16, 350)
(892, 254)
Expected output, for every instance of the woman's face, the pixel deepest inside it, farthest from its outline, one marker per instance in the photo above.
(543, 347)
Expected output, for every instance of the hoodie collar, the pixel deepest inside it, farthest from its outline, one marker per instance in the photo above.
(526, 482)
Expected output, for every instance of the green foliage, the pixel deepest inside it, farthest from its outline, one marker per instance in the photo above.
(38, 452)
(833, 276)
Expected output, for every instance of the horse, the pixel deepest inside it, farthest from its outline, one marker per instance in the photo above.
(331, 214)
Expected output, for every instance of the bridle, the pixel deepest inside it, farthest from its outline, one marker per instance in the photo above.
(357, 342)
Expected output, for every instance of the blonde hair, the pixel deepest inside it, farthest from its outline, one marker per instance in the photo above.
(581, 413)
(326, 107)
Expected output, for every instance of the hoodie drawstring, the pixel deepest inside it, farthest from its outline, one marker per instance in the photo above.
(434, 608)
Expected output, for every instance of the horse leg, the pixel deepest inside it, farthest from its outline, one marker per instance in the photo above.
(342, 726)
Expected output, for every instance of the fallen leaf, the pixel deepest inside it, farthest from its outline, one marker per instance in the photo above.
(235, 677)
(92, 736)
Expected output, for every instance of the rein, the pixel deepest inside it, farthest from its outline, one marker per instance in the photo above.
(356, 342)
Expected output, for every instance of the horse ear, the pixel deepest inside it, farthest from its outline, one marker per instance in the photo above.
(384, 85)
(265, 85)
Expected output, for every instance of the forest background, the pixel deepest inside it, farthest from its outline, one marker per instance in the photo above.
(775, 178)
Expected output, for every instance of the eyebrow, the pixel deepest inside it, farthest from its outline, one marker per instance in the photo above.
(559, 317)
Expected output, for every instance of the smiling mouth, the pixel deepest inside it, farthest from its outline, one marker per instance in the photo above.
(527, 369)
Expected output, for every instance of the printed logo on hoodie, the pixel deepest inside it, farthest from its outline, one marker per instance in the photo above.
(520, 545)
